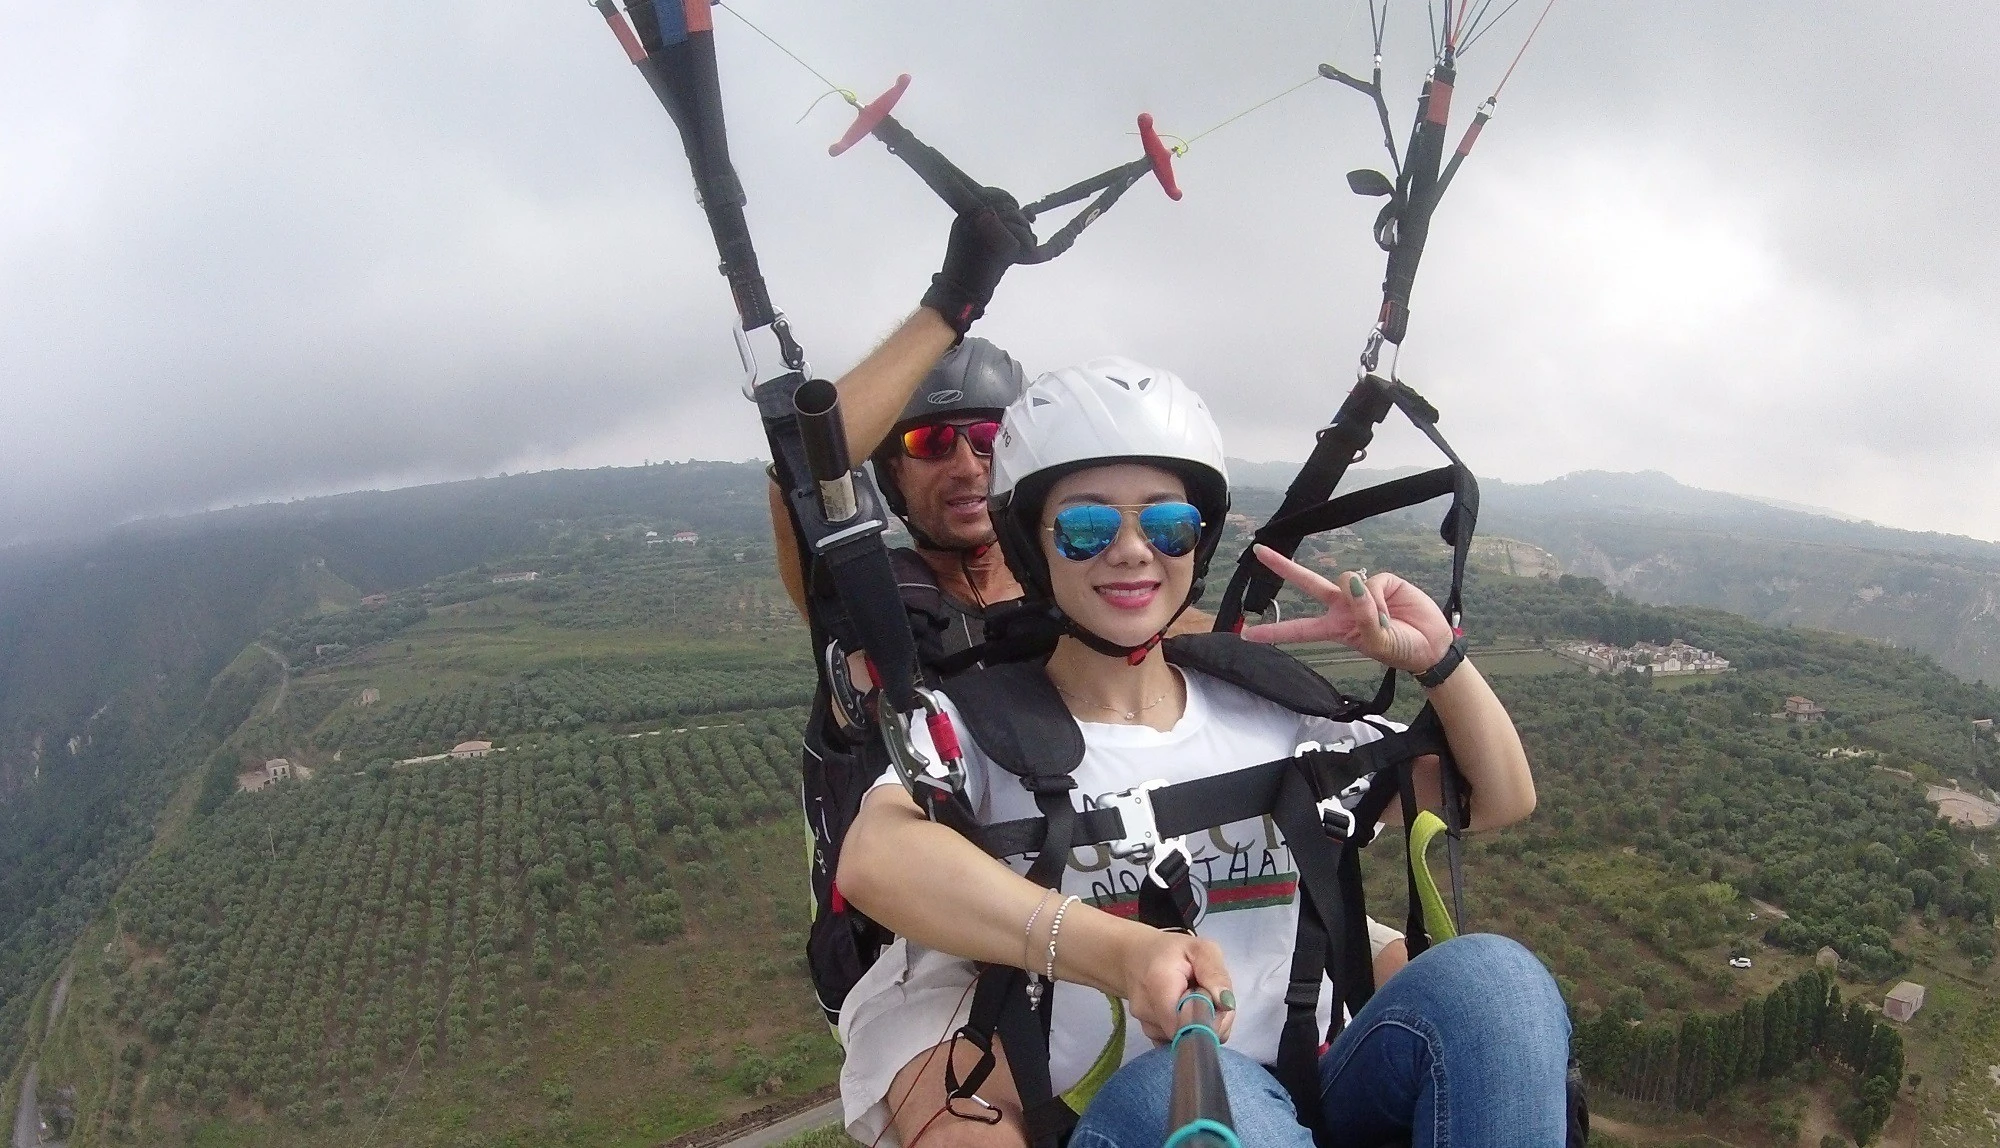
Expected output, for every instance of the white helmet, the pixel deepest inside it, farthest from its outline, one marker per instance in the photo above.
(1108, 410)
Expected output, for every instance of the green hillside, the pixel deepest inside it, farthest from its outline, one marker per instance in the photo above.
(123, 661)
(591, 935)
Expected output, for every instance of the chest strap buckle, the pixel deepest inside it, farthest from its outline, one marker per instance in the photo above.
(1336, 813)
(1142, 842)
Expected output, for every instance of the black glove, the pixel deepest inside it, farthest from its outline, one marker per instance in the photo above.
(985, 241)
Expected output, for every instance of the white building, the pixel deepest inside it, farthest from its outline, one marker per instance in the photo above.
(1673, 659)
(1903, 1001)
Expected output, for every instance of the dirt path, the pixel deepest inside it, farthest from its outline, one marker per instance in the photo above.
(816, 1117)
(27, 1118)
(1819, 1121)
(26, 1135)
(60, 997)
(284, 675)
(1641, 1134)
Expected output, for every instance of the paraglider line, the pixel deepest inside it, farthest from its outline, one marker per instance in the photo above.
(1479, 33)
(853, 101)
(831, 87)
(1524, 47)
(1185, 144)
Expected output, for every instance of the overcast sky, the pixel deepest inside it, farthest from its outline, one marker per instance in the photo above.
(267, 251)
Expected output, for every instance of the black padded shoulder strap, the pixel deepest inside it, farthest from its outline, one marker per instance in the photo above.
(1266, 671)
(1015, 714)
(1017, 718)
(914, 579)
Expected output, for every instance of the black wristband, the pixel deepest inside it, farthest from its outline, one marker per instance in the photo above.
(958, 306)
(1434, 677)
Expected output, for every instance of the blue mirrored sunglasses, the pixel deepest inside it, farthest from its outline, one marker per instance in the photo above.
(1088, 529)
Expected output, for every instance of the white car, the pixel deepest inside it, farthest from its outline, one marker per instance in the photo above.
(1739, 962)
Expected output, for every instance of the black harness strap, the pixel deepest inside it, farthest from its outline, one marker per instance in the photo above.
(1170, 905)
(1199, 805)
(1059, 827)
(1327, 945)
(1306, 508)
(1415, 936)
(1018, 718)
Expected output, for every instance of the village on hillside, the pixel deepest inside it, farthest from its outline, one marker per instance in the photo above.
(1674, 658)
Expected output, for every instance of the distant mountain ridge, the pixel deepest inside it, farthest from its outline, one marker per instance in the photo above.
(1658, 540)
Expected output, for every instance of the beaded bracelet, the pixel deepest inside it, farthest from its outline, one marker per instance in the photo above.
(1055, 928)
(1028, 934)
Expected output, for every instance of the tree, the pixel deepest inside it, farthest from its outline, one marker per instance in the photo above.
(1751, 1060)
(1868, 1111)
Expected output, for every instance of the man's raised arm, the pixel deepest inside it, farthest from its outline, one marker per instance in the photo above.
(871, 396)
(983, 245)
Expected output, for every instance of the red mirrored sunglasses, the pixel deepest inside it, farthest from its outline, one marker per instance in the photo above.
(939, 439)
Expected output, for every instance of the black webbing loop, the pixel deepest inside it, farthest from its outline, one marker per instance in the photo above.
(1361, 504)
(1416, 936)
(1059, 817)
(1024, 1032)
(1325, 943)
(971, 1033)
(1111, 185)
(1457, 816)
(1168, 906)
(1309, 506)
(962, 193)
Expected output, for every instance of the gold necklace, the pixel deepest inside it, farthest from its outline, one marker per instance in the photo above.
(1128, 715)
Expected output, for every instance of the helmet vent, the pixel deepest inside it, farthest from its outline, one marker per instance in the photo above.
(1039, 401)
(1141, 385)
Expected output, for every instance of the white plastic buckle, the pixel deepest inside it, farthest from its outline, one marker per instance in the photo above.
(1142, 841)
(1336, 813)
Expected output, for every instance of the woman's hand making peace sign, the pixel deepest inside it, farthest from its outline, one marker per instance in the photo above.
(1384, 617)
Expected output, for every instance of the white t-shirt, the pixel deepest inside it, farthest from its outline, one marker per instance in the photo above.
(1245, 886)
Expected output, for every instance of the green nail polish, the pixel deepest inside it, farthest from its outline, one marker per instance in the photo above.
(1384, 615)
(1228, 1000)
(1356, 586)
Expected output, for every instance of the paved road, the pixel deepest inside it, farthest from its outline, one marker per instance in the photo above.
(787, 1128)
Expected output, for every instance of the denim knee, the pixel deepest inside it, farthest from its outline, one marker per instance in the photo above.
(1130, 1111)
(1492, 980)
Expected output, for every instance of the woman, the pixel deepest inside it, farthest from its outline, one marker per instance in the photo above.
(1109, 495)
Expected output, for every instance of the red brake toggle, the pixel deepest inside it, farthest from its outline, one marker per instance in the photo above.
(1160, 154)
(869, 117)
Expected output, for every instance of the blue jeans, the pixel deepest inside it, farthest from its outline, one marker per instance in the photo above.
(1466, 1046)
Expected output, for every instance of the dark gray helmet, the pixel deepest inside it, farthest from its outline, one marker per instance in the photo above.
(974, 379)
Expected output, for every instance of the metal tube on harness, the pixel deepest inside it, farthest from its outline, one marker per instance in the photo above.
(825, 436)
(852, 595)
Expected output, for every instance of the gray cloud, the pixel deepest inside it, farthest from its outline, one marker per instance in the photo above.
(250, 253)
